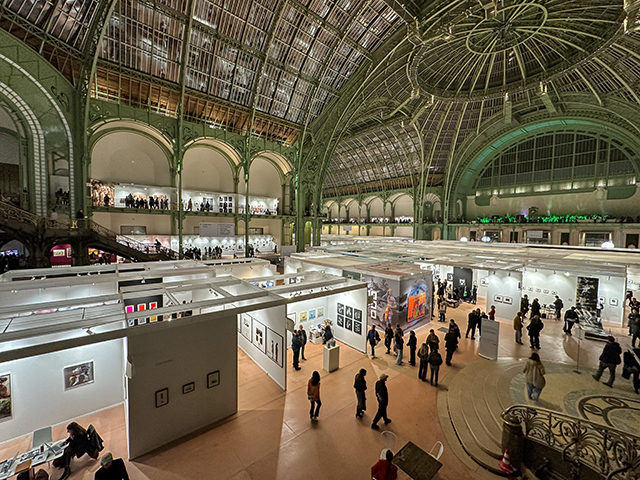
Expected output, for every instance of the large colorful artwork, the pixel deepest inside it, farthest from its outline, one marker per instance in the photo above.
(6, 408)
(417, 306)
(78, 375)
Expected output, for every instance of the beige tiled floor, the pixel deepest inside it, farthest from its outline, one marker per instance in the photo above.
(271, 436)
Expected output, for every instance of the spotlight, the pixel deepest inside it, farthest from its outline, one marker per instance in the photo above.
(608, 245)
(464, 239)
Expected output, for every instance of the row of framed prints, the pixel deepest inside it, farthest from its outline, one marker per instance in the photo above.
(503, 299)
(312, 314)
(265, 339)
(349, 318)
(162, 396)
(74, 376)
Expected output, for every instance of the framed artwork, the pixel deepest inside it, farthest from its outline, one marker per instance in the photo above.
(162, 397)
(304, 316)
(602, 301)
(348, 323)
(349, 312)
(357, 327)
(312, 314)
(213, 379)
(6, 405)
(507, 300)
(188, 388)
(538, 290)
(554, 293)
(450, 277)
(357, 315)
(153, 305)
(484, 282)
(142, 321)
(417, 306)
(245, 326)
(497, 298)
(275, 347)
(340, 321)
(546, 292)
(142, 307)
(320, 312)
(128, 309)
(258, 338)
(78, 375)
(131, 322)
(340, 309)
(613, 302)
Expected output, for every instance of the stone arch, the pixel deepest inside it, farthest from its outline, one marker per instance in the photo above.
(210, 166)
(402, 205)
(375, 206)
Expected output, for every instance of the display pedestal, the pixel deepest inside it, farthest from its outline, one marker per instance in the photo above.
(489, 339)
(331, 358)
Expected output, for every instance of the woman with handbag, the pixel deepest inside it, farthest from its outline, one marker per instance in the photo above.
(534, 376)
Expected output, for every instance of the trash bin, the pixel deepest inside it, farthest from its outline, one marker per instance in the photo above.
(513, 439)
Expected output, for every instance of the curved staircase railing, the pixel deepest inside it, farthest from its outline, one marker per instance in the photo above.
(612, 453)
(10, 212)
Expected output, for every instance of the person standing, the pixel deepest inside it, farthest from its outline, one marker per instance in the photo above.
(631, 368)
(453, 326)
(492, 313)
(433, 342)
(360, 385)
(382, 395)
(399, 344)
(481, 318)
(634, 326)
(388, 338)
(474, 294)
(535, 307)
(327, 335)
(442, 309)
(303, 341)
(423, 355)
(412, 343)
(450, 344)
(524, 305)
(534, 328)
(313, 394)
(295, 348)
(558, 305)
(111, 469)
(373, 338)
(435, 360)
(570, 317)
(534, 376)
(517, 326)
(385, 469)
(609, 358)
(471, 325)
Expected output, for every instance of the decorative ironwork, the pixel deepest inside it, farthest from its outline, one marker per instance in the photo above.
(11, 213)
(612, 453)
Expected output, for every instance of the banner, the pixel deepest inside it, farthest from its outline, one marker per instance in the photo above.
(210, 229)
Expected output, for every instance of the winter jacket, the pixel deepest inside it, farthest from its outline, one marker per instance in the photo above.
(435, 359)
(360, 384)
(534, 373)
(611, 353)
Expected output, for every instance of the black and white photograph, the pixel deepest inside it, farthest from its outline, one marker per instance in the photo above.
(340, 321)
(349, 312)
(348, 323)
(587, 293)
(213, 379)
(6, 406)
(162, 397)
(497, 298)
(78, 375)
(258, 338)
(245, 326)
(340, 309)
(357, 314)
(275, 347)
(613, 302)
(507, 300)
(188, 388)
(357, 328)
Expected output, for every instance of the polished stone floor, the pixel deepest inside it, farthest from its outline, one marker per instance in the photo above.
(271, 436)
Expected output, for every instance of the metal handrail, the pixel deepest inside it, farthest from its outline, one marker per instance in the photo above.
(611, 452)
(11, 212)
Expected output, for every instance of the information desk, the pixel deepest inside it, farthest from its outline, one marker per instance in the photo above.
(416, 463)
(32, 458)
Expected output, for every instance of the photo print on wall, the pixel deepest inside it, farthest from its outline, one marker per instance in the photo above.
(340, 309)
(303, 316)
(6, 407)
(357, 314)
(275, 347)
(78, 375)
(357, 328)
(348, 323)
(312, 314)
(258, 338)
(497, 298)
(246, 326)
(349, 312)
(320, 312)
(340, 321)
(507, 300)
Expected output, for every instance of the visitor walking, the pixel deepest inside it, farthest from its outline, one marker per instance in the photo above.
(303, 341)
(435, 360)
(399, 344)
(313, 394)
(535, 307)
(558, 305)
(517, 326)
(534, 328)
(471, 325)
(295, 348)
(412, 343)
(631, 368)
(388, 338)
(453, 326)
(492, 313)
(373, 338)
(360, 385)
(474, 294)
(524, 305)
(382, 395)
(482, 317)
(450, 344)
(423, 355)
(442, 309)
(609, 358)
(534, 376)
(570, 317)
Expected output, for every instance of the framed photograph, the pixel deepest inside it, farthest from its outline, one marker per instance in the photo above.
(348, 323)
(546, 292)
(78, 375)
(6, 405)
(320, 312)
(340, 309)
(188, 388)
(258, 338)
(613, 302)
(245, 326)
(275, 347)
(357, 327)
(602, 300)
(484, 282)
(128, 309)
(497, 298)
(304, 316)
(153, 305)
(142, 307)
(340, 321)
(213, 379)
(162, 397)
(349, 312)
(507, 300)
(357, 315)
(312, 314)
(449, 277)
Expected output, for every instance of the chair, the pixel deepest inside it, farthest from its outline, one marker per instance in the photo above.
(389, 442)
(40, 437)
(440, 450)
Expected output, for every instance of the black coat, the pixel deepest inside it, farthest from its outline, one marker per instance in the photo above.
(381, 393)
(360, 384)
(534, 328)
(611, 353)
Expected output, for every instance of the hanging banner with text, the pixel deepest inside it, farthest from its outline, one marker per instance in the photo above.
(209, 229)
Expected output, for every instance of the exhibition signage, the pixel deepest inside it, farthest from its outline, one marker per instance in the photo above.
(210, 229)
(489, 339)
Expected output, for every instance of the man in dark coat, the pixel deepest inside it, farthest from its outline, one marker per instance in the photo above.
(382, 395)
(111, 469)
(303, 341)
(296, 344)
(570, 317)
(535, 308)
(471, 325)
(360, 385)
(524, 305)
(609, 358)
(558, 306)
(451, 343)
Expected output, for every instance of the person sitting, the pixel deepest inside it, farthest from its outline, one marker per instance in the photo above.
(385, 469)
(111, 469)
(77, 444)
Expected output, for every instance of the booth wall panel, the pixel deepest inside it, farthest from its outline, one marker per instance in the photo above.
(501, 284)
(156, 224)
(356, 299)
(173, 357)
(38, 390)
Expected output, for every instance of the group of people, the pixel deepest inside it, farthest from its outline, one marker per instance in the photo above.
(204, 206)
(62, 197)
(534, 328)
(154, 202)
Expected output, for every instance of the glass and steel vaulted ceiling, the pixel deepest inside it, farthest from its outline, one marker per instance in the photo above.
(286, 59)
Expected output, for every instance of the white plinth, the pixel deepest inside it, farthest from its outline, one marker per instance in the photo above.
(331, 358)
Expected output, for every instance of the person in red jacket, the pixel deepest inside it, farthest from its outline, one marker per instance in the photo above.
(384, 469)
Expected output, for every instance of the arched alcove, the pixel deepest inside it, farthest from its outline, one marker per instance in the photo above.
(403, 205)
(376, 206)
(206, 168)
(129, 157)
(9, 156)
(265, 179)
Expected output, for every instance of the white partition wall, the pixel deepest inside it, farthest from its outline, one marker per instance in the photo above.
(503, 291)
(262, 336)
(356, 300)
(190, 366)
(41, 395)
